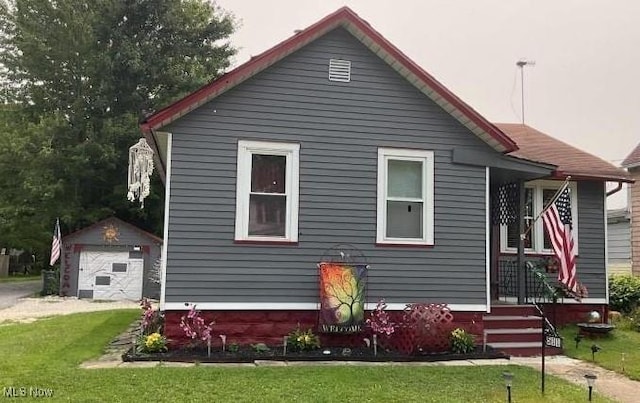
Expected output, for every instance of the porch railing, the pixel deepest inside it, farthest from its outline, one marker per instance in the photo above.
(537, 282)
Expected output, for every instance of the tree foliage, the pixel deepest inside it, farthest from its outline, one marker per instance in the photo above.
(76, 77)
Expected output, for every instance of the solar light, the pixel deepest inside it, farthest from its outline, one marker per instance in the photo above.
(591, 380)
(508, 380)
(594, 349)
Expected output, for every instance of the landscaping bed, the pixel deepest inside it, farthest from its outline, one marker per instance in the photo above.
(248, 355)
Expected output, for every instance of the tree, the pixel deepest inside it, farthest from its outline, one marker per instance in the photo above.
(77, 75)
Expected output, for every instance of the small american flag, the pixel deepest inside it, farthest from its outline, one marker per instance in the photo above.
(55, 244)
(557, 221)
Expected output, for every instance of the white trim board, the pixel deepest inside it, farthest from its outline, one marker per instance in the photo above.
(293, 306)
(487, 240)
(564, 301)
(165, 232)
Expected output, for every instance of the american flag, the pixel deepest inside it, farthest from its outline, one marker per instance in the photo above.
(557, 221)
(55, 244)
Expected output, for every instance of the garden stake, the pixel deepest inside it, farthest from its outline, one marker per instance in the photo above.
(284, 345)
(209, 347)
(622, 362)
(375, 345)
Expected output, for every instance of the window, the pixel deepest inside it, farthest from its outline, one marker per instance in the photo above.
(405, 196)
(119, 267)
(267, 191)
(103, 280)
(537, 195)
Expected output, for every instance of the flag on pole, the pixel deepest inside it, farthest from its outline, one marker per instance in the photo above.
(55, 244)
(557, 221)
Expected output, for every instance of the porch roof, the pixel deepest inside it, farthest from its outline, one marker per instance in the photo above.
(537, 146)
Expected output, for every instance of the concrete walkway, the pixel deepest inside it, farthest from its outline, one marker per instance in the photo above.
(609, 383)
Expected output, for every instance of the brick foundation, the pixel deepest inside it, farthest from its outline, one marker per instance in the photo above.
(269, 327)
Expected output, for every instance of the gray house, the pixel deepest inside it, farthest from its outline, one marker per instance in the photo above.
(110, 260)
(334, 137)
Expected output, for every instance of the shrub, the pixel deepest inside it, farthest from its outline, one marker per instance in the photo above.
(299, 340)
(152, 343)
(461, 341)
(624, 293)
(630, 321)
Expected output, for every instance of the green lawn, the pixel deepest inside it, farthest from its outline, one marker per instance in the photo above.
(613, 346)
(46, 354)
(19, 278)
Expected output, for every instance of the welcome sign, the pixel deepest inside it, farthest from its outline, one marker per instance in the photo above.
(342, 297)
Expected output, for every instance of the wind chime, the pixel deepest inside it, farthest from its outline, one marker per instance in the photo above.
(140, 170)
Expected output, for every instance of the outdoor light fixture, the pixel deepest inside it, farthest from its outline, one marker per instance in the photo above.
(591, 379)
(594, 349)
(508, 379)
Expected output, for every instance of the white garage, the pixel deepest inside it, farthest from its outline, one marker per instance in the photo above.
(110, 260)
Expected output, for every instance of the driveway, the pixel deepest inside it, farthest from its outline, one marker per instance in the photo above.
(11, 292)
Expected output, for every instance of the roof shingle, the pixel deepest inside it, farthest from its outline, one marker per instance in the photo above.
(633, 159)
(537, 146)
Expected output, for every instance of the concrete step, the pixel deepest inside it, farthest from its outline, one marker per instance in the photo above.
(524, 349)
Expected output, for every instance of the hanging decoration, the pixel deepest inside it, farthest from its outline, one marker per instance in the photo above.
(140, 170)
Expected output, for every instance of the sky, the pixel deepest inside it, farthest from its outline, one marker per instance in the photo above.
(584, 88)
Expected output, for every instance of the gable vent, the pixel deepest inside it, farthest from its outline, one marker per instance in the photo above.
(339, 70)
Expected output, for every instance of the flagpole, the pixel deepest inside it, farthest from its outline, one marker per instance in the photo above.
(549, 203)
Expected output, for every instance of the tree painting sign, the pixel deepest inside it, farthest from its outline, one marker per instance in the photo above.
(342, 297)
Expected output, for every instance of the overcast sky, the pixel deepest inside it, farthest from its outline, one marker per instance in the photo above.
(584, 88)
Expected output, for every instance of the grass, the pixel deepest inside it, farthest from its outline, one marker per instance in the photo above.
(19, 278)
(618, 342)
(46, 354)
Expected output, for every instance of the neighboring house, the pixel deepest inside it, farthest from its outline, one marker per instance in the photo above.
(619, 241)
(110, 260)
(632, 164)
(332, 138)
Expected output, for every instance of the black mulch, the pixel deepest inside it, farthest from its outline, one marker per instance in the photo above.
(248, 355)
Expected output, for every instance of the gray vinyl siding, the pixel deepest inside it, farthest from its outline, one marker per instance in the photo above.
(619, 241)
(591, 263)
(339, 127)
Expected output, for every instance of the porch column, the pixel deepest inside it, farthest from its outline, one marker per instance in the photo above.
(520, 278)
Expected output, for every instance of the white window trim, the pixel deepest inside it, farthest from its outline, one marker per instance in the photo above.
(426, 157)
(245, 150)
(538, 239)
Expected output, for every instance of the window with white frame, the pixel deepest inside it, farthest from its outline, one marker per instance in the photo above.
(537, 195)
(405, 196)
(267, 191)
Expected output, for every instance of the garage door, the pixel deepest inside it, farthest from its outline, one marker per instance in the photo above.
(110, 275)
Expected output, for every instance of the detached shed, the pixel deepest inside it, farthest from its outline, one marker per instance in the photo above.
(110, 260)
